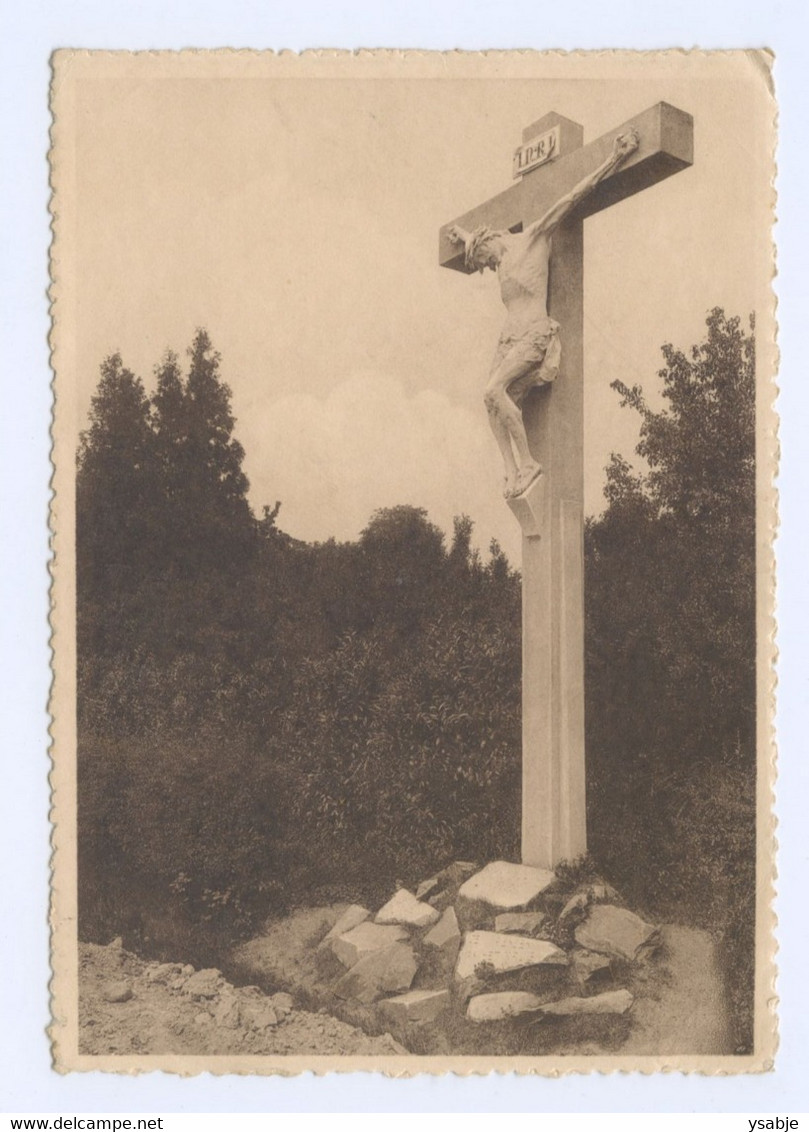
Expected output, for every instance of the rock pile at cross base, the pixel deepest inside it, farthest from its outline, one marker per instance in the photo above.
(501, 959)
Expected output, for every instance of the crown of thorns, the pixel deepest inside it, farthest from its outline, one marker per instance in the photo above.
(473, 244)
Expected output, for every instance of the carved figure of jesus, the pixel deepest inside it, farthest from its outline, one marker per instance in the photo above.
(528, 352)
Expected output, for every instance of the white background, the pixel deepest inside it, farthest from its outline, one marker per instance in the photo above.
(28, 36)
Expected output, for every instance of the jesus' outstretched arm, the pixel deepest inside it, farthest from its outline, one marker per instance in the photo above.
(458, 235)
(623, 145)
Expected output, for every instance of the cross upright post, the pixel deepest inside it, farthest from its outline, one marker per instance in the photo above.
(551, 510)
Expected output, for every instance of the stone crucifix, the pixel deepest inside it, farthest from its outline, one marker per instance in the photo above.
(535, 400)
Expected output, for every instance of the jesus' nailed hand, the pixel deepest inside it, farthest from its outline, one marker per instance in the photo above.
(528, 352)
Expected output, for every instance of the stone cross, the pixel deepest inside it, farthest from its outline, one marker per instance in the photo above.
(551, 510)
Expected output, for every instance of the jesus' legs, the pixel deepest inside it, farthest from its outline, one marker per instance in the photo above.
(503, 438)
(507, 425)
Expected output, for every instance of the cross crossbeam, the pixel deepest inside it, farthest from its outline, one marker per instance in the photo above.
(666, 147)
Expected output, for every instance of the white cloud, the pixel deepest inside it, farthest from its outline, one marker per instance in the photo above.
(368, 444)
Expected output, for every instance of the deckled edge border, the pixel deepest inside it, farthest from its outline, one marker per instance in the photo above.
(62, 918)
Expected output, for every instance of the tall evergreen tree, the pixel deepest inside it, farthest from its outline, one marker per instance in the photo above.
(116, 482)
(205, 488)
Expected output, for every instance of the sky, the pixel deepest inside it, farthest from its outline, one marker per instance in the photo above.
(297, 218)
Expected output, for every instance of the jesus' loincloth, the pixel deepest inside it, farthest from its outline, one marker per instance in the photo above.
(538, 348)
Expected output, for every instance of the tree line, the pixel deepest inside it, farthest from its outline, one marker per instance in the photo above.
(263, 721)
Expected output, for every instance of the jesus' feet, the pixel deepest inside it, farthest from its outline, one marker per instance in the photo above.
(525, 477)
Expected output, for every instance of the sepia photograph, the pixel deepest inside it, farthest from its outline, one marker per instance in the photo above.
(412, 609)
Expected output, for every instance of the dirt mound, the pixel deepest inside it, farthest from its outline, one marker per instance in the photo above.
(128, 1006)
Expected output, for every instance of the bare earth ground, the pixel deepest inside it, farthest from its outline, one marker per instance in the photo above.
(687, 1014)
(160, 1019)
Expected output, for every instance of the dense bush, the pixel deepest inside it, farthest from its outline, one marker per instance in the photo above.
(190, 828)
(417, 748)
(383, 751)
(670, 678)
(219, 797)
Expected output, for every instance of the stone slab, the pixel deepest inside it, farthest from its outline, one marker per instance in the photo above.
(415, 1006)
(506, 886)
(578, 902)
(611, 1002)
(427, 888)
(614, 931)
(499, 1006)
(354, 915)
(505, 953)
(521, 923)
(387, 971)
(585, 964)
(404, 908)
(446, 935)
(364, 940)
